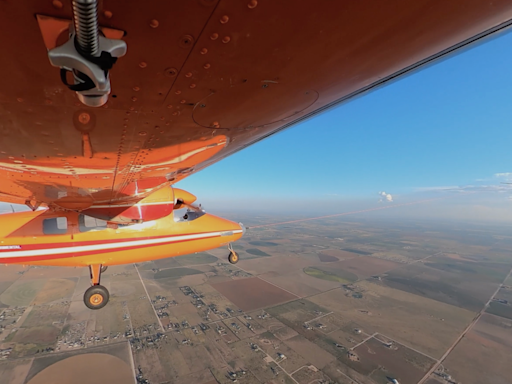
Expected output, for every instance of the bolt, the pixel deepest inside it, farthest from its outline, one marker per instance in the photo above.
(84, 118)
(171, 72)
(57, 4)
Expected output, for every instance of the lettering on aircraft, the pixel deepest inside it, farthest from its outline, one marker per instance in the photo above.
(2, 247)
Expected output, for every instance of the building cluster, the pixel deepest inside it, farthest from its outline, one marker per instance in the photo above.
(235, 375)
(147, 342)
(263, 315)
(75, 337)
(446, 377)
(4, 353)
(9, 317)
(140, 377)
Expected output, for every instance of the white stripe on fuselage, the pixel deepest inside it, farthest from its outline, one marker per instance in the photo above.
(105, 247)
(130, 205)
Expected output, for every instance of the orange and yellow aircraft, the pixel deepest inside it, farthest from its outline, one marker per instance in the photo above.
(105, 105)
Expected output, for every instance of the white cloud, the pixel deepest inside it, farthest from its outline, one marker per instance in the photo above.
(468, 188)
(386, 196)
(503, 175)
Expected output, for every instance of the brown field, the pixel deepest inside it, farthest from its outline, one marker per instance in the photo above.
(327, 258)
(77, 369)
(299, 283)
(309, 351)
(122, 289)
(15, 372)
(52, 272)
(171, 262)
(365, 266)
(280, 265)
(21, 293)
(55, 289)
(403, 363)
(483, 355)
(337, 254)
(253, 293)
(11, 272)
(37, 335)
(456, 256)
(4, 285)
(45, 315)
(427, 325)
(338, 371)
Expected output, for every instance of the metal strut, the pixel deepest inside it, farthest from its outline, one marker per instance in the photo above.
(85, 21)
(88, 55)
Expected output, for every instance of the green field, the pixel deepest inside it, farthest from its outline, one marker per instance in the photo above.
(357, 251)
(263, 243)
(256, 252)
(196, 258)
(338, 275)
(22, 293)
(176, 272)
(499, 309)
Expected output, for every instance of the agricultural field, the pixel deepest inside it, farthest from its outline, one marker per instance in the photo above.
(483, 355)
(253, 293)
(331, 274)
(340, 301)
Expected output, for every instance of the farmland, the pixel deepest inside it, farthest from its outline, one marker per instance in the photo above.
(339, 301)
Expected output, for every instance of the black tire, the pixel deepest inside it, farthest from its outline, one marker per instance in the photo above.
(103, 268)
(233, 257)
(96, 297)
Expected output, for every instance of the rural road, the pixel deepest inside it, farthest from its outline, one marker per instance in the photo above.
(468, 328)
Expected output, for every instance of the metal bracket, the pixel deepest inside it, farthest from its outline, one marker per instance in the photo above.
(67, 57)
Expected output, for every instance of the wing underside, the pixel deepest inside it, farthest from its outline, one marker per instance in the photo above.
(201, 80)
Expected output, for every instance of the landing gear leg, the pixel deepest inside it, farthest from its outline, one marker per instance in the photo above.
(97, 296)
(233, 256)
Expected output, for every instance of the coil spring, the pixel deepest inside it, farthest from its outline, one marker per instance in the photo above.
(85, 19)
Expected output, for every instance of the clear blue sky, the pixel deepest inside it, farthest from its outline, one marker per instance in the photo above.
(446, 125)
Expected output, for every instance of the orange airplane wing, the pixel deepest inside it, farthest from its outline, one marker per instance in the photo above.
(199, 81)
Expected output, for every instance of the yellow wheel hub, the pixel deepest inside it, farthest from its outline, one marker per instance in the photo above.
(234, 257)
(96, 299)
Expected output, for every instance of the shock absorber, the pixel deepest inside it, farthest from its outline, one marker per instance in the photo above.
(88, 55)
(85, 21)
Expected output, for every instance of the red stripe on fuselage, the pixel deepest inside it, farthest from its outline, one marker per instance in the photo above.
(32, 247)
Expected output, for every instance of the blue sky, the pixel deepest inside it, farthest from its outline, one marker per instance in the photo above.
(446, 125)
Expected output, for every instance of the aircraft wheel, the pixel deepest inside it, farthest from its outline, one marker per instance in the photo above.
(233, 257)
(103, 268)
(96, 297)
